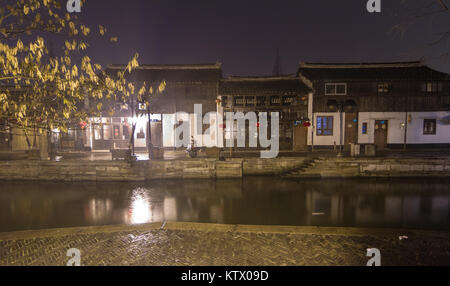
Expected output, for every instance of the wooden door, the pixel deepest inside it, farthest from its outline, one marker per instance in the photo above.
(381, 131)
(351, 130)
(300, 138)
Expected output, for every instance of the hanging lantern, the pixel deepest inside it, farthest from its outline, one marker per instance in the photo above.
(306, 124)
(83, 124)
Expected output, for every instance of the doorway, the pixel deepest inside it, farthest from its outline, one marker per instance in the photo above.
(351, 130)
(300, 137)
(381, 131)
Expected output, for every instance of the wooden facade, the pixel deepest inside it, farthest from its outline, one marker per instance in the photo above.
(387, 98)
(186, 85)
(287, 95)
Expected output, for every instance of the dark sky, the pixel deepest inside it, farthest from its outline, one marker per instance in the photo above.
(244, 34)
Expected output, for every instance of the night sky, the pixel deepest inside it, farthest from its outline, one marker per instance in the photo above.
(244, 34)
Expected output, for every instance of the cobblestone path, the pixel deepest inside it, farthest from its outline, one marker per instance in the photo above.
(230, 247)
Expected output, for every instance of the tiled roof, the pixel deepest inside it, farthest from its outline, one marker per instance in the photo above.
(173, 73)
(394, 70)
(283, 85)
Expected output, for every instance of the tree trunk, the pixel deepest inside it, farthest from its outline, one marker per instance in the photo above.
(26, 137)
(131, 144)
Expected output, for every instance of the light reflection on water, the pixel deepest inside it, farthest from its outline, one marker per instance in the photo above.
(423, 203)
(140, 209)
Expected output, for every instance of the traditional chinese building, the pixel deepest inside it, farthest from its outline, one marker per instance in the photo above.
(186, 85)
(386, 104)
(287, 95)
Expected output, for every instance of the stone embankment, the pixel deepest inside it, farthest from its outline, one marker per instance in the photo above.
(144, 170)
(292, 167)
(323, 167)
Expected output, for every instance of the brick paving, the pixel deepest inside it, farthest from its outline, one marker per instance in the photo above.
(216, 245)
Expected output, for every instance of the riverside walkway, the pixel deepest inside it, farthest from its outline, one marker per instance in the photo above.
(189, 244)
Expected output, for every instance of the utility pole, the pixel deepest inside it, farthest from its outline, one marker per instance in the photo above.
(133, 124)
(406, 123)
(150, 146)
(277, 69)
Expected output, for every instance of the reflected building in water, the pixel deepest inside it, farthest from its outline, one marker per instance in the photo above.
(264, 201)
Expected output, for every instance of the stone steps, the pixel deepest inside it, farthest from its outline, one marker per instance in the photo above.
(298, 172)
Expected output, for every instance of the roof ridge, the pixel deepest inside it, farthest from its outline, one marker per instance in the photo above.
(363, 65)
(259, 78)
(170, 66)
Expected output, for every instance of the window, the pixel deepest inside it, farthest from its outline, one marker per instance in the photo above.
(429, 127)
(250, 100)
(98, 132)
(260, 100)
(324, 125)
(239, 101)
(288, 100)
(432, 86)
(335, 89)
(107, 132)
(364, 128)
(384, 87)
(275, 100)
(69, 135)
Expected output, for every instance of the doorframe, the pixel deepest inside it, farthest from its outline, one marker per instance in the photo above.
(386, 132)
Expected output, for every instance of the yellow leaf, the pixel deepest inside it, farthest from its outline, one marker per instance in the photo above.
(102, 30)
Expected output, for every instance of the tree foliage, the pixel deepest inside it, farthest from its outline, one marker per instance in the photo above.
(41, 90)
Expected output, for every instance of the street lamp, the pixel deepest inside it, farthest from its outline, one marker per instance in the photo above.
(342, 106)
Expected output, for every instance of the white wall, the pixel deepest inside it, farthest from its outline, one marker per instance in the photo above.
(326, 140)
(415, 128)
(201, 140)
(396, 131)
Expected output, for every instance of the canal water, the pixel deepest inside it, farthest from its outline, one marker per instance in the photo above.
(405, 203)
